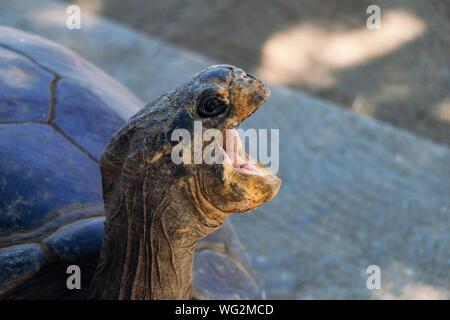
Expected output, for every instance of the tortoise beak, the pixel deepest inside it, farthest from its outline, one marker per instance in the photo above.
(248, 94)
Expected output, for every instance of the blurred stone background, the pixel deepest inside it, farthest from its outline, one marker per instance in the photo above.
(398, 74)
(356, 191)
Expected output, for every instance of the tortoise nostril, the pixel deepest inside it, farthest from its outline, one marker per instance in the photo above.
(251, 76)
(259, 98)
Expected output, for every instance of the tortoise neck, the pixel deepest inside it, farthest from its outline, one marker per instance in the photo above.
(148, 250)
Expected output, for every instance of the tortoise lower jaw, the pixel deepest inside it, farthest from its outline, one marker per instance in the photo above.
(247, 166)
(250, 189)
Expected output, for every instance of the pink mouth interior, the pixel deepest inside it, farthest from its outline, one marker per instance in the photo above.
(235, 156)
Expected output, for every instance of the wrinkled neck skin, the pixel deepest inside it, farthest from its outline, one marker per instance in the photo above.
(149, 243)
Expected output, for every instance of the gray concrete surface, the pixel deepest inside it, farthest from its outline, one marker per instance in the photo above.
(356, 192)
(399, 74)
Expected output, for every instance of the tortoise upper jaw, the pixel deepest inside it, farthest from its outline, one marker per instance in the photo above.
(247, 94)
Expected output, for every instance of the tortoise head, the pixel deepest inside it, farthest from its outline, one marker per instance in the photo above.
(210, 106)
(216, 99)
(158, 207)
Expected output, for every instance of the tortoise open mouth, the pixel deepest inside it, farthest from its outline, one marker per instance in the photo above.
(248, 95)
(235, 156)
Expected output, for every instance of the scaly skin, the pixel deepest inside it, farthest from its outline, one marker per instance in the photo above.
(156, 210)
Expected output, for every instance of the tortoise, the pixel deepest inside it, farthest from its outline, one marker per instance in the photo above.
(82, 183)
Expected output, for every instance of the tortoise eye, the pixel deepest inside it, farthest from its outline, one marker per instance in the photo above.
(210, 105)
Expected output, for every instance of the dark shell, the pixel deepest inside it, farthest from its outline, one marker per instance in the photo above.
(57, 113)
